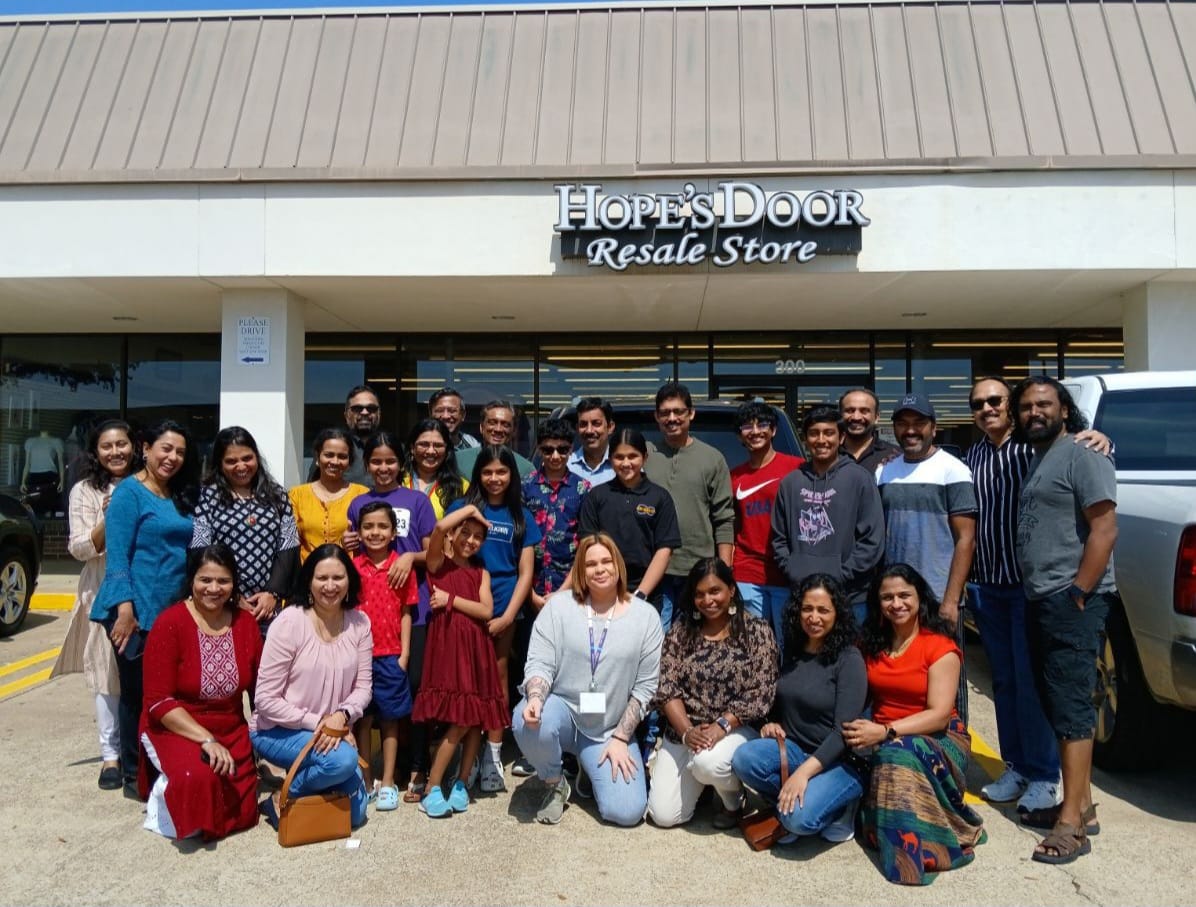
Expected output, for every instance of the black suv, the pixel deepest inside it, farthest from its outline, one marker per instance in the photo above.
(714, 423)
(20, 561)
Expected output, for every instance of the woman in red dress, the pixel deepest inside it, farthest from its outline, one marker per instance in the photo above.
(197, 769)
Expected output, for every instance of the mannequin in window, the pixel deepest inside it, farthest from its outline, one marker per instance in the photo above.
(44, 475)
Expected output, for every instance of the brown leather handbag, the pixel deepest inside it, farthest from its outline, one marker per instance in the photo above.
(762, 829)
(315, 817)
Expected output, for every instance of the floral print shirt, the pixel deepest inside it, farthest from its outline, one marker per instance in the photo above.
(556, 507)
(713, 678)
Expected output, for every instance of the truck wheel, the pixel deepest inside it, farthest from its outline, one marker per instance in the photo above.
(1128, 719)
(16, 590)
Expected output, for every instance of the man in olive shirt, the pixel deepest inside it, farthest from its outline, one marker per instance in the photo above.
(698, 480)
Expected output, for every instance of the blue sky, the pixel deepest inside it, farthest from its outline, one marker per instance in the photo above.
(50, 7)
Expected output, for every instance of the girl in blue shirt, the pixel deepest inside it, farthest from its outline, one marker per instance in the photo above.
(509, 556)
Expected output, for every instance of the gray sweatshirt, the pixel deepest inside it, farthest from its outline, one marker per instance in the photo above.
(559, 652)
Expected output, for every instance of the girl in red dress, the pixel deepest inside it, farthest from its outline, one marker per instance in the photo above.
(200, 657)
(461, 686)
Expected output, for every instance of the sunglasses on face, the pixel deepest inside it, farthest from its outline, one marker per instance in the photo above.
(549, 449)
(994, 401)
(370, 408)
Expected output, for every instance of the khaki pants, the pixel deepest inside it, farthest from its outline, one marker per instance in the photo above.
(679, 774)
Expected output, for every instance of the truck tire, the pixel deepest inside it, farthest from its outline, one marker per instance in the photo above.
(1128, 719)
(16, 590)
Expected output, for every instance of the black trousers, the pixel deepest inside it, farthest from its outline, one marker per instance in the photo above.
(128, 712)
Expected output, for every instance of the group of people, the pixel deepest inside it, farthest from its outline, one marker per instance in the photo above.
(646, 621)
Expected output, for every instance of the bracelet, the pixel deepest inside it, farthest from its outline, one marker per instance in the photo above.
(206, 741)
(686, 734)
(621, 740)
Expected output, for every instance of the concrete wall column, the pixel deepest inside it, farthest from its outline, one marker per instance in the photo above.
(1159, 323)
(261, 374)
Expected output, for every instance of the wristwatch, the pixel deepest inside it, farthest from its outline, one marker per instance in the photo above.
(722, 722)
(348, 717)
(890, 732)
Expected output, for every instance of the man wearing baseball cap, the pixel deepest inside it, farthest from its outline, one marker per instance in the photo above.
(930, 506)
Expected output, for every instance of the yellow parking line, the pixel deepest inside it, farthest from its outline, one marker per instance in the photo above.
(988, 760)
(24, 683)
(52, 601)
(28, 662)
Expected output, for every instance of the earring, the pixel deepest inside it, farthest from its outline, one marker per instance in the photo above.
(732, 610)
(696, 616)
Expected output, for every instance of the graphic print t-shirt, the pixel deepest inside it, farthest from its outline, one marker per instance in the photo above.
(754, 492)
(499, 554)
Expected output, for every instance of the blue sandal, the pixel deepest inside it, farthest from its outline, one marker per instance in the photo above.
(388, 799)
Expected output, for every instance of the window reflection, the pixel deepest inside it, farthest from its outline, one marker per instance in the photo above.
(176, 376)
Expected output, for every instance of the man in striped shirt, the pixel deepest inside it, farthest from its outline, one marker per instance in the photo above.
(999, 465)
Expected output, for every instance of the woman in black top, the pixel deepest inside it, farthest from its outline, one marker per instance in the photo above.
(823, 684)
(636, 512)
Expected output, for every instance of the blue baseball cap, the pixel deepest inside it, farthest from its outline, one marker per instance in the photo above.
(915, 403)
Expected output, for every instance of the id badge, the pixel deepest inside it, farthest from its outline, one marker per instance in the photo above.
(593, 703)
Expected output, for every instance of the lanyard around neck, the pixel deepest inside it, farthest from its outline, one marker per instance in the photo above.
(596, 650)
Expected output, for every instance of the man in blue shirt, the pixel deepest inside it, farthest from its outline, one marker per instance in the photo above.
(595, 425)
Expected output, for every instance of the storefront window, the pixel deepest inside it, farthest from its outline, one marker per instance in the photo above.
(693, 364)
(627, 369)
(1093, 352)
(334, 365)
(176, 376)
(52, 391)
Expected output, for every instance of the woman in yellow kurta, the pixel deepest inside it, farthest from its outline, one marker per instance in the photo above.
(430, 466)
(322, 507)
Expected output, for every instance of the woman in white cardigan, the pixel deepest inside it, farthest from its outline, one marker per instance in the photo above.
(111, 455)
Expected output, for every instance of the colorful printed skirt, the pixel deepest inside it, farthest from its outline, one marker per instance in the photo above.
(914, 812)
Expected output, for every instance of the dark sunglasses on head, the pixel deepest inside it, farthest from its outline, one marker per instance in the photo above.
(370, 408)
(562, 449)
(994, 401)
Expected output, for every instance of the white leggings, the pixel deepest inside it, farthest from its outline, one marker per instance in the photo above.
(109, 729)
(679, 775)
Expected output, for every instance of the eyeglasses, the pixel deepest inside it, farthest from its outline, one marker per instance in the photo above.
(749, 427)
(994, 401)
(677, 411)
(429, 445)
(560, 449)
(370, 408)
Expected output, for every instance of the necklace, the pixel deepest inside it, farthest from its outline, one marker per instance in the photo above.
(900, 650)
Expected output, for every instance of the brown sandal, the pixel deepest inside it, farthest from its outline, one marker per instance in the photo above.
(1048, 818)
(414, 792)
(1068, 842)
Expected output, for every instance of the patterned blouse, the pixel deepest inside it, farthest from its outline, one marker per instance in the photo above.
(713, 678)
(255, 530)
(556, 507)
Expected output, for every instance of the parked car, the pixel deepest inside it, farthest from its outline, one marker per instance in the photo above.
(1149, 659)
(20, 563)
(714, 423)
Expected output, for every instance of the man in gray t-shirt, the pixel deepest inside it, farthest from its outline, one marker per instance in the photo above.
(1067, 524)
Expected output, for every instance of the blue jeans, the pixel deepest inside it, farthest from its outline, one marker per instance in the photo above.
(620, 802)
(767, 603)
(670, 590)
(758, 765)
(335, 770)
(1026, 740)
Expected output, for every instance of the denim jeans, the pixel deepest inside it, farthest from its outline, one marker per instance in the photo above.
(335, 770)
(829, 793)
(620, 802)
(1025, 738)
(767, 603)
(670, 590)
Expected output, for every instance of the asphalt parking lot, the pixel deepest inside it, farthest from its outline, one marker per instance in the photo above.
(67, 842)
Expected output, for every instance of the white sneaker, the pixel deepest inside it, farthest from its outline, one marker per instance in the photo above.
(1040, 795)
(492, 780)
(472, 778)
(1011, 785)
(843, 828)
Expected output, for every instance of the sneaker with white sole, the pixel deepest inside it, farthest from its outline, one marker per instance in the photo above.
(521, 768)
(492, 780)
(1011, 785)
(843, 828)
(1040, 795)
(472, 778)
(552, 807)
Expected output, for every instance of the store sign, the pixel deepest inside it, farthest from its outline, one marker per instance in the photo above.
(737, 223)
(253, 340)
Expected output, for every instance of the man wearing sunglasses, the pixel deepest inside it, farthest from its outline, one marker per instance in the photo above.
(754, 485)
(999, 465)
(363, 414)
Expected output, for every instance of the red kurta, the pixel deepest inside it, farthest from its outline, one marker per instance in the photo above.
(178, 673)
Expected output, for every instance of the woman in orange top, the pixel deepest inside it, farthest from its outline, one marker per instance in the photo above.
(914, 811)
(322, 507)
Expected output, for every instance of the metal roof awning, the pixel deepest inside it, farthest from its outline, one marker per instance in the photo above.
(599, 91)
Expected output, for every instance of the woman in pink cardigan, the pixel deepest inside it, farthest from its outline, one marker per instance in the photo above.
(316, 675)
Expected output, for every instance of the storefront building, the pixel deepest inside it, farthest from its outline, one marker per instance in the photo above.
(234, 219)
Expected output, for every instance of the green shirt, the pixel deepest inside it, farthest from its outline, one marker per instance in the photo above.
(698, 480)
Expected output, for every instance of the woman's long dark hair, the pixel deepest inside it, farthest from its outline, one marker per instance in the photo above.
(449, 485)
(688, 614)
(842, 634)
(183, 486)
(512, 499)
(878, 632)
(308, 571)
(263, 486)
(216, 553)
(382, 439)
(92, 471)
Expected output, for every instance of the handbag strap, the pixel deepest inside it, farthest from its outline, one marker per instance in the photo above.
(284, 794)
(784, 760)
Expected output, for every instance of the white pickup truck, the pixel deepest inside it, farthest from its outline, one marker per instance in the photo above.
(1149, 657)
